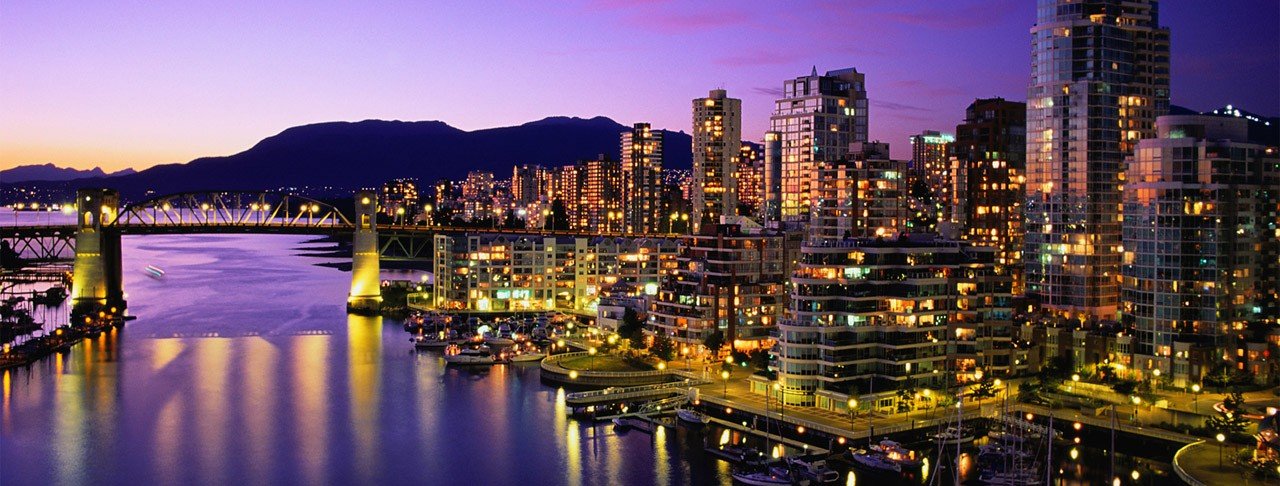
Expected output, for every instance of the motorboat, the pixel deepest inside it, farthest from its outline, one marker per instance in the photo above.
(469, 356)
(527, 356)
(815, 470)
(1010, 478)
(740, 454)
(1012, 437)
(768, 477)
(154, 272)
(952, 436)
(894, 451)
(874, 460)
(692, 416)
(431, 342)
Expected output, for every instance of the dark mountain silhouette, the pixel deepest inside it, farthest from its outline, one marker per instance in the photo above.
(50, 172)
(351, 155)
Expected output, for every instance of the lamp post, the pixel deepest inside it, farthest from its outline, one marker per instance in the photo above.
(782, 404)
(684, 354)
(1221, 438)
(724, 374)
(853, 403)
(592, 353)
(1195, 399)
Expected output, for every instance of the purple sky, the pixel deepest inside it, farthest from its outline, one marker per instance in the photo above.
(132, 84)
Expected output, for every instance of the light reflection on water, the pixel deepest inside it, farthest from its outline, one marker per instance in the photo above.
(243, 367)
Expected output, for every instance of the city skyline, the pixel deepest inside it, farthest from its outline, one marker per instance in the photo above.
(203, 92)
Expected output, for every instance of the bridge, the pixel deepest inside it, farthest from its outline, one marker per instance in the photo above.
(94, 240)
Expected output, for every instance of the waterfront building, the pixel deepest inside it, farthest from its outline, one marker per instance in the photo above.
(816, 120)
(882, 319)
(859, 195)
(1200, 235)
(1099, 79)
(929, 177)
(750, 174)
(400, 198)
(641, 179)
(506, 273)
(717, 139)
(730, 278)
(988, 173)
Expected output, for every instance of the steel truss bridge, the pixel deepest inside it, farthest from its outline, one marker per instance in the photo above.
(213, 212)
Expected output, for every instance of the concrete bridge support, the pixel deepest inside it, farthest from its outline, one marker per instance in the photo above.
(96, 279)
(366, 291)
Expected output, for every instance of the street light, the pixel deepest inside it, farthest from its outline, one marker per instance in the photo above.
(684, 354)
(1221, 438)
(725, 376)
(853, 403)
(1195, 399)
(592, 353)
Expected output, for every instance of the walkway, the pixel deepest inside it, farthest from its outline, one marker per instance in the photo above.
(1199, 461)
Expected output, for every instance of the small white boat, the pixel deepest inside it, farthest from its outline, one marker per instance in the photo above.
(692, 416)
(470, 356)
(816, 470)
(762, 478)
(528, 357)
(430, 342)
(1010, 478)
(953, 436)
(873, 460)
(154, 271)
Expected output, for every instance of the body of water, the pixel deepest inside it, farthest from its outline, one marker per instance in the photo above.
(244, 368)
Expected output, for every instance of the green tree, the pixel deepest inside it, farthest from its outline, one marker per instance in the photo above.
(906, 399)
(663, 347)
(559, 219)
(986, 388)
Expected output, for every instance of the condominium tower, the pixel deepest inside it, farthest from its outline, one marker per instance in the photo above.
(816, 119)
(717, 141)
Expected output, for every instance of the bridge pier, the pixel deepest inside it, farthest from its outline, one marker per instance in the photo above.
(366, 291)
(96, 278)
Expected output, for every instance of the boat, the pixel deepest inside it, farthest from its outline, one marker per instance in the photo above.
(953, 436)
(1012, 437)
(874, 460)
(763, 478)
(469, 356)
(740, 454)
(815, 470)
(894, 451)
(154, 271)
(430, 342)
(692, 416)
(527, 357)
(1010, 478)
(503, 337)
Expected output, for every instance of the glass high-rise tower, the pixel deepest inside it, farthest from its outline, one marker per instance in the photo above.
(1099, 79)
(816, 120)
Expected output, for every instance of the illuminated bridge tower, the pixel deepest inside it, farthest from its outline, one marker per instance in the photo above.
(96, 280)
(366, 294)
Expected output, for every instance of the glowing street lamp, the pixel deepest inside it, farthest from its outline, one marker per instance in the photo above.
(725, 376)
(853, 404)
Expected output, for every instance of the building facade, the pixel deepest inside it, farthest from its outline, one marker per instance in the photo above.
(930, 180)
(861, 195)
(1199, 234)
(989, 171)
(1099, 79)
(816, 119)
(642, 179)
(717, 143)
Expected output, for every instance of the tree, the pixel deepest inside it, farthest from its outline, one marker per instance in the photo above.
(906, 399)
(714, 341)
(1219, 377)
(559, 219)
(663, 347)
(986, 388)
(632, 328)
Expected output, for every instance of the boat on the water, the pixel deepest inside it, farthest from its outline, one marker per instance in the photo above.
(154, 271)
(952, 436)
(895, 452)
(815, 470)
(430, 342)
(469, 356)
(874, 460)
(740, 454)
(528, 357)
(1010, 478)
(692, 416)
(767, 477)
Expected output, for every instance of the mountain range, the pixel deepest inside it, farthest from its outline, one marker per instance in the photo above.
(350, 155)
(50, 172)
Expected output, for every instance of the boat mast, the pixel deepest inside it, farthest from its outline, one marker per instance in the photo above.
(1048, 466)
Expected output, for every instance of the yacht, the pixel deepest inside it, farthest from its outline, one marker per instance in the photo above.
(1010, 478)
(764, 478)
(526, 353)
(503, 337)
(435, 341)
(952, 436)
(814, 470)
(874, 460)
(469, 356)
(692, 416)
(894, 451)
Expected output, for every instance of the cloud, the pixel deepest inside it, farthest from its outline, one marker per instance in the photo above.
(921, 87)
(898, 106)
(774, 92)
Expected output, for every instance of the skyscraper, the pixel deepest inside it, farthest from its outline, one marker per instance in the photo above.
(816, 120)
(750, 175)
(600, 195)
(641, 178)
(771, 208)
(930, 179)
(988, 172)
(717, 139)
(1099, 78)
(1199, 233)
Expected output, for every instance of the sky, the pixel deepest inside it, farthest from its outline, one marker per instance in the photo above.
(136, 83)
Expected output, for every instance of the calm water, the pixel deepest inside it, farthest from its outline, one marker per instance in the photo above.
(243, 367)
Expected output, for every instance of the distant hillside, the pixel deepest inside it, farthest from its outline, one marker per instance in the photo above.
(367, 153)
(50, 172)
